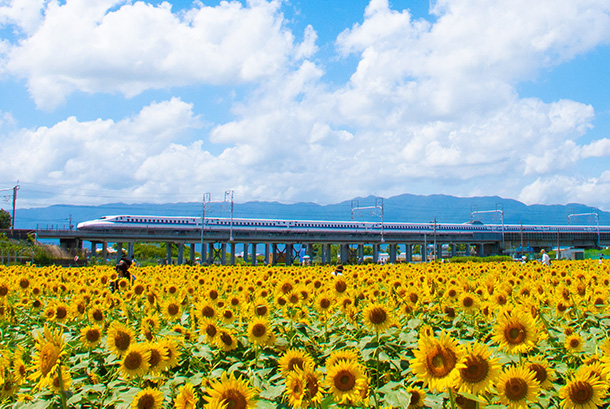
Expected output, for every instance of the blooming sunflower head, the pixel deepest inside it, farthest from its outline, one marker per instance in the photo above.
(49, 350)
(135, 361)
(292, 359)
(148, 398)
(347, 381)
(583, 391)
(478, 370)
(436, 361)
(187, 397)
(259, 331)
(119, 338)
(517, 387)
(231, 392)
(378, 317)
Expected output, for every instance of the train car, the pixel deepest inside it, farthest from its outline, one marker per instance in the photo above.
(134, 222)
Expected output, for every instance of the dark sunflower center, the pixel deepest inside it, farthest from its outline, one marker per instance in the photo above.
(207, 311)
(234, 399)
(133, 360)
(98, 315)
(261, 310)
(61, 313)
(581, 392)
(477, 369)
(155, 358)
(211, 331)
(378, 316)
(516, 389)
(440, 361)
(345, 380)
(312, 385)
(467, 302)
(146, 402)
(173, 309)
(295, 363)
(539, 371)
(226, 339)
(574, 343)
(340, 286)
(122, 341)
(92, 335)
(514, 333)
(415, 398)
(259, 330)
(413, 298)
(325, 303)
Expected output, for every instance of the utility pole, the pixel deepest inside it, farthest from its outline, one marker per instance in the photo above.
(15, 189)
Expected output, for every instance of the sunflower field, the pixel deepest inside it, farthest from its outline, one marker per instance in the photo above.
(484, 335)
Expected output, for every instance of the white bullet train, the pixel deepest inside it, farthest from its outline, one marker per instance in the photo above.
(133, 222)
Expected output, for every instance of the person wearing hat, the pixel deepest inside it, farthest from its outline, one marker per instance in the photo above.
(122, 269)
(338, 270)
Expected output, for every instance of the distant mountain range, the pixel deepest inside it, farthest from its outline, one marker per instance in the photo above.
(402, 208)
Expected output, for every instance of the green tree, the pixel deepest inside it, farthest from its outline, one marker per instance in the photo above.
(5, 219)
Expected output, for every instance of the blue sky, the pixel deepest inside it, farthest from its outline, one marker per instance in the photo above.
(151, 101)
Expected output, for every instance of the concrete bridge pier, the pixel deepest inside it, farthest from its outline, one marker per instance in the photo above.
(408, 252)
(376, 253)
(344, 253)
(246, 256)
(180, 254)
(192, 256)
(119, 251)
(232, 257)
(254, 260)
(168, 253)
(130, 249)
(393, 253)
(267, 253)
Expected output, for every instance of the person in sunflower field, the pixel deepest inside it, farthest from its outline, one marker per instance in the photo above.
(122, 269)
(546, 260)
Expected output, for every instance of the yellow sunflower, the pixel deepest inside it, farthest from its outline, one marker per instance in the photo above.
(96, 315)
(148, 398)
(61, 384)
(347, 382)
(135, 361)
(517, 387)
(377, 316)
(543, 374)
(158, 357)
(186, 398)
(172, 352)
(226, 340)
(515, 332)
(171, 309)
(258, 331)
(583, 392)
(119, 338)
(416, 396)
(209, 327)
(230, 392)
(574, 343)
(90, 336)
(478, 370)
(436, 361)
(49, 350)
(304, 388)
(293, 358)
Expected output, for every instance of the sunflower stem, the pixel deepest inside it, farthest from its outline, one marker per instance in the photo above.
(377, 369)
(62, 391)
(451, 398)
